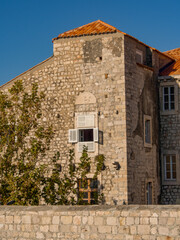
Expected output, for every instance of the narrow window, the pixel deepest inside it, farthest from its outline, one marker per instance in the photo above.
(88, 191)
(139, 56)
(149, 193)
(170, 167)
(168, 98)
(147, 131)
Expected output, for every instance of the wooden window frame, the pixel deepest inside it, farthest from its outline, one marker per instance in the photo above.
(89, 190)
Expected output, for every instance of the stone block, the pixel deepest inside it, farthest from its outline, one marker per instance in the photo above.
(39, 235)
(54, 228)
(46, 220)
(162, 230)
(143, 229)
(77, 220)
(104, 229)
(66, 219)
(153, 221)
(26, 219)
(9, 219)
(111, 221)
(130, 220)
(44, 228)
(55, 220)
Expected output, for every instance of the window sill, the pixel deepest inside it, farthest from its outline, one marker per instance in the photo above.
(170, 182)
(169, 112)
(144, 66)
(148, 145)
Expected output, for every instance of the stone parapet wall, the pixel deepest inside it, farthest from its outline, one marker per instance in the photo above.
(90, 222)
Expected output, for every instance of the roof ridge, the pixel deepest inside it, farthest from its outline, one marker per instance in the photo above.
(107, 25)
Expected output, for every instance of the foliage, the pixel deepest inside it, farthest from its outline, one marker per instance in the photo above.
(62, 190)
(24, 140)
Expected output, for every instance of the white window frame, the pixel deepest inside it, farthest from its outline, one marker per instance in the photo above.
(169, 98)
(171, 83)
(171, 168)
(80, 144)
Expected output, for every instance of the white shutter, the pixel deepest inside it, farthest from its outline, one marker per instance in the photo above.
(81, 121)
(89, 120)
(73, 135)
(95, 133)
(90, 145)
(85, 121)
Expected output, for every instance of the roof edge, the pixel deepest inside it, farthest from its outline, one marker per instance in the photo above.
(26, 71)
(115, 30)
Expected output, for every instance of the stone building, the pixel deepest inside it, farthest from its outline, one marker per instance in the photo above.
(169, 91)
(101, 88)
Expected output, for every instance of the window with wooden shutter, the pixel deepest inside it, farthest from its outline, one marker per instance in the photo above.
(89, 145)
(73, 135)
(85, 121)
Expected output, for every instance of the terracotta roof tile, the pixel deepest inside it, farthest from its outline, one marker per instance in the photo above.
(173, 69)
(174, 53)
(99, 27)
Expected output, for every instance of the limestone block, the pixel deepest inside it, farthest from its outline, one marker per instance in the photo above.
(98, 221)
(163, 230)
(66, 219)
(54, 228)
(104, 229)
(143, 229)
(55, 220)
(77, 220)
(46, 220)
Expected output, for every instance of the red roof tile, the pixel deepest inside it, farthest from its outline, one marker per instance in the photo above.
(175, 53)
(173, 69)
(99, 27)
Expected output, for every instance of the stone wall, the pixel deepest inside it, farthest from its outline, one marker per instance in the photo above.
(92, 65)
(170, 194)
(90, 222)
(141, 102)
(170, 140)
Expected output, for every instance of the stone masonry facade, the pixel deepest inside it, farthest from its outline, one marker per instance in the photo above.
(90, 222)
(170, 139)
(98, 77)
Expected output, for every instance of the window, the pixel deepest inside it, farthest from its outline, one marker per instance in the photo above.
(139, 56)
(149, 193)
(147, 131)
(85, 134)
(88, 191)
(168, 98)
(170, 167)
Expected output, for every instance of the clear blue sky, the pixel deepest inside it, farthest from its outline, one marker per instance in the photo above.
(28, 26)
